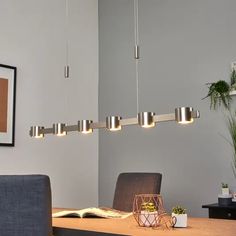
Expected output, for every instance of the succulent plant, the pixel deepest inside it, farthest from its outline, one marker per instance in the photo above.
(179, 210)
(223, 185)
(148, 206)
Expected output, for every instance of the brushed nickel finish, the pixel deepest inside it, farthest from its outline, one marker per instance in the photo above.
(36, 131)
(196, 114)
(164, 117)
(59, 129)
(66, 71)
(47, 131)
(113, 123)
(84, 126)
(146, 119)
(183, 115)
(98, 125)
(69, 128)
(129, 121)
(136, 52)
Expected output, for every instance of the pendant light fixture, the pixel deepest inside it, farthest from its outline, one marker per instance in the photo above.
(37, 131)
(146, 119)
(113, 123)
(84, 126)
(59, 129)
(182, 115)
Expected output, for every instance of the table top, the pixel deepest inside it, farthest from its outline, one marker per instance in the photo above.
(128, 226)
(216, 205)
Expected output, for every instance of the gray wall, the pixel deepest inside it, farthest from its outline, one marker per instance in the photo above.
(184, 45)
(33, 39)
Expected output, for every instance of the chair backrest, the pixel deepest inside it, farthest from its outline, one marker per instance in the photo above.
(25, 205)
(130, 184)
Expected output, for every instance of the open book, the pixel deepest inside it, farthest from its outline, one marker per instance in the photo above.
(93, 212)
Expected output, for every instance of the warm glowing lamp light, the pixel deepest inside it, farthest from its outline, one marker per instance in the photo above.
(84, 126)
(146, 120)
(113, 123)
(183, 115)
(35, 131)
(59, 129)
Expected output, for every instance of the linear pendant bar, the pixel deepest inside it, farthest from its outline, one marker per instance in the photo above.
(98, 125)
(129, 121)
(164, 117)
(182, 115)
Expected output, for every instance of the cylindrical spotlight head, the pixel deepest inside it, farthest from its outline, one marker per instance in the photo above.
(84, 126)
(146, 119)
(183, 115)
(59, 129)
(35, 131)
(113, 123)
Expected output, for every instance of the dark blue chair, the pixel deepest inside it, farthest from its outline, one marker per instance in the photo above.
(25, 205)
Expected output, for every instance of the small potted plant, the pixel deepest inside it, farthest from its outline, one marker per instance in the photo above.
(149, 214)
(225, 189)
(179, 213)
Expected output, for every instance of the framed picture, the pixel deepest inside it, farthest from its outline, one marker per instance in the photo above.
(7, 105)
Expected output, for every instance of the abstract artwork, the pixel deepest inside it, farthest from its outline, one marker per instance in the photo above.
(7, 104)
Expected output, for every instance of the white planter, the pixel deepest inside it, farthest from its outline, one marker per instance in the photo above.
(233, 192)
(181, 220)
(148, 219)
(225, 191)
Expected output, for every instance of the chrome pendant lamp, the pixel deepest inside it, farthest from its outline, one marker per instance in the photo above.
(37, 131)
(146, 119)
(59, 129)
(113, 123)
(182, 115)
(84, 126)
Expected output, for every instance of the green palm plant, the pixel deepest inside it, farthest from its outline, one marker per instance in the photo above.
(231, 123)
(219, 93)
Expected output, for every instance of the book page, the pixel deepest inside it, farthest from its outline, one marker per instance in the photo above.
(66, 213)
(104, 212)
(93, 211)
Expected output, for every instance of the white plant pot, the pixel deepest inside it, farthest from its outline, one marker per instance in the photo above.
(148, 219)
(225, 191)
(181, 220)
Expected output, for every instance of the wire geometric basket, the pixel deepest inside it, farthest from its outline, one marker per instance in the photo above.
(148, 211)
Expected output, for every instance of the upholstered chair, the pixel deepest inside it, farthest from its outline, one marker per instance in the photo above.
(130, 184)
(25, 205)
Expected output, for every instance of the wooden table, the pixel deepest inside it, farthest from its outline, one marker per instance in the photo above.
(128, 226)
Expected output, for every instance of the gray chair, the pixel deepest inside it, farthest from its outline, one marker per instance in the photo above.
(25, 205)
(130, 184)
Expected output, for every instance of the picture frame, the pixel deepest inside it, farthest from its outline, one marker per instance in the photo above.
(7, 104)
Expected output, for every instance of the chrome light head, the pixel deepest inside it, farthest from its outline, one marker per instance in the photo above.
(113, 123)
(146, 119)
